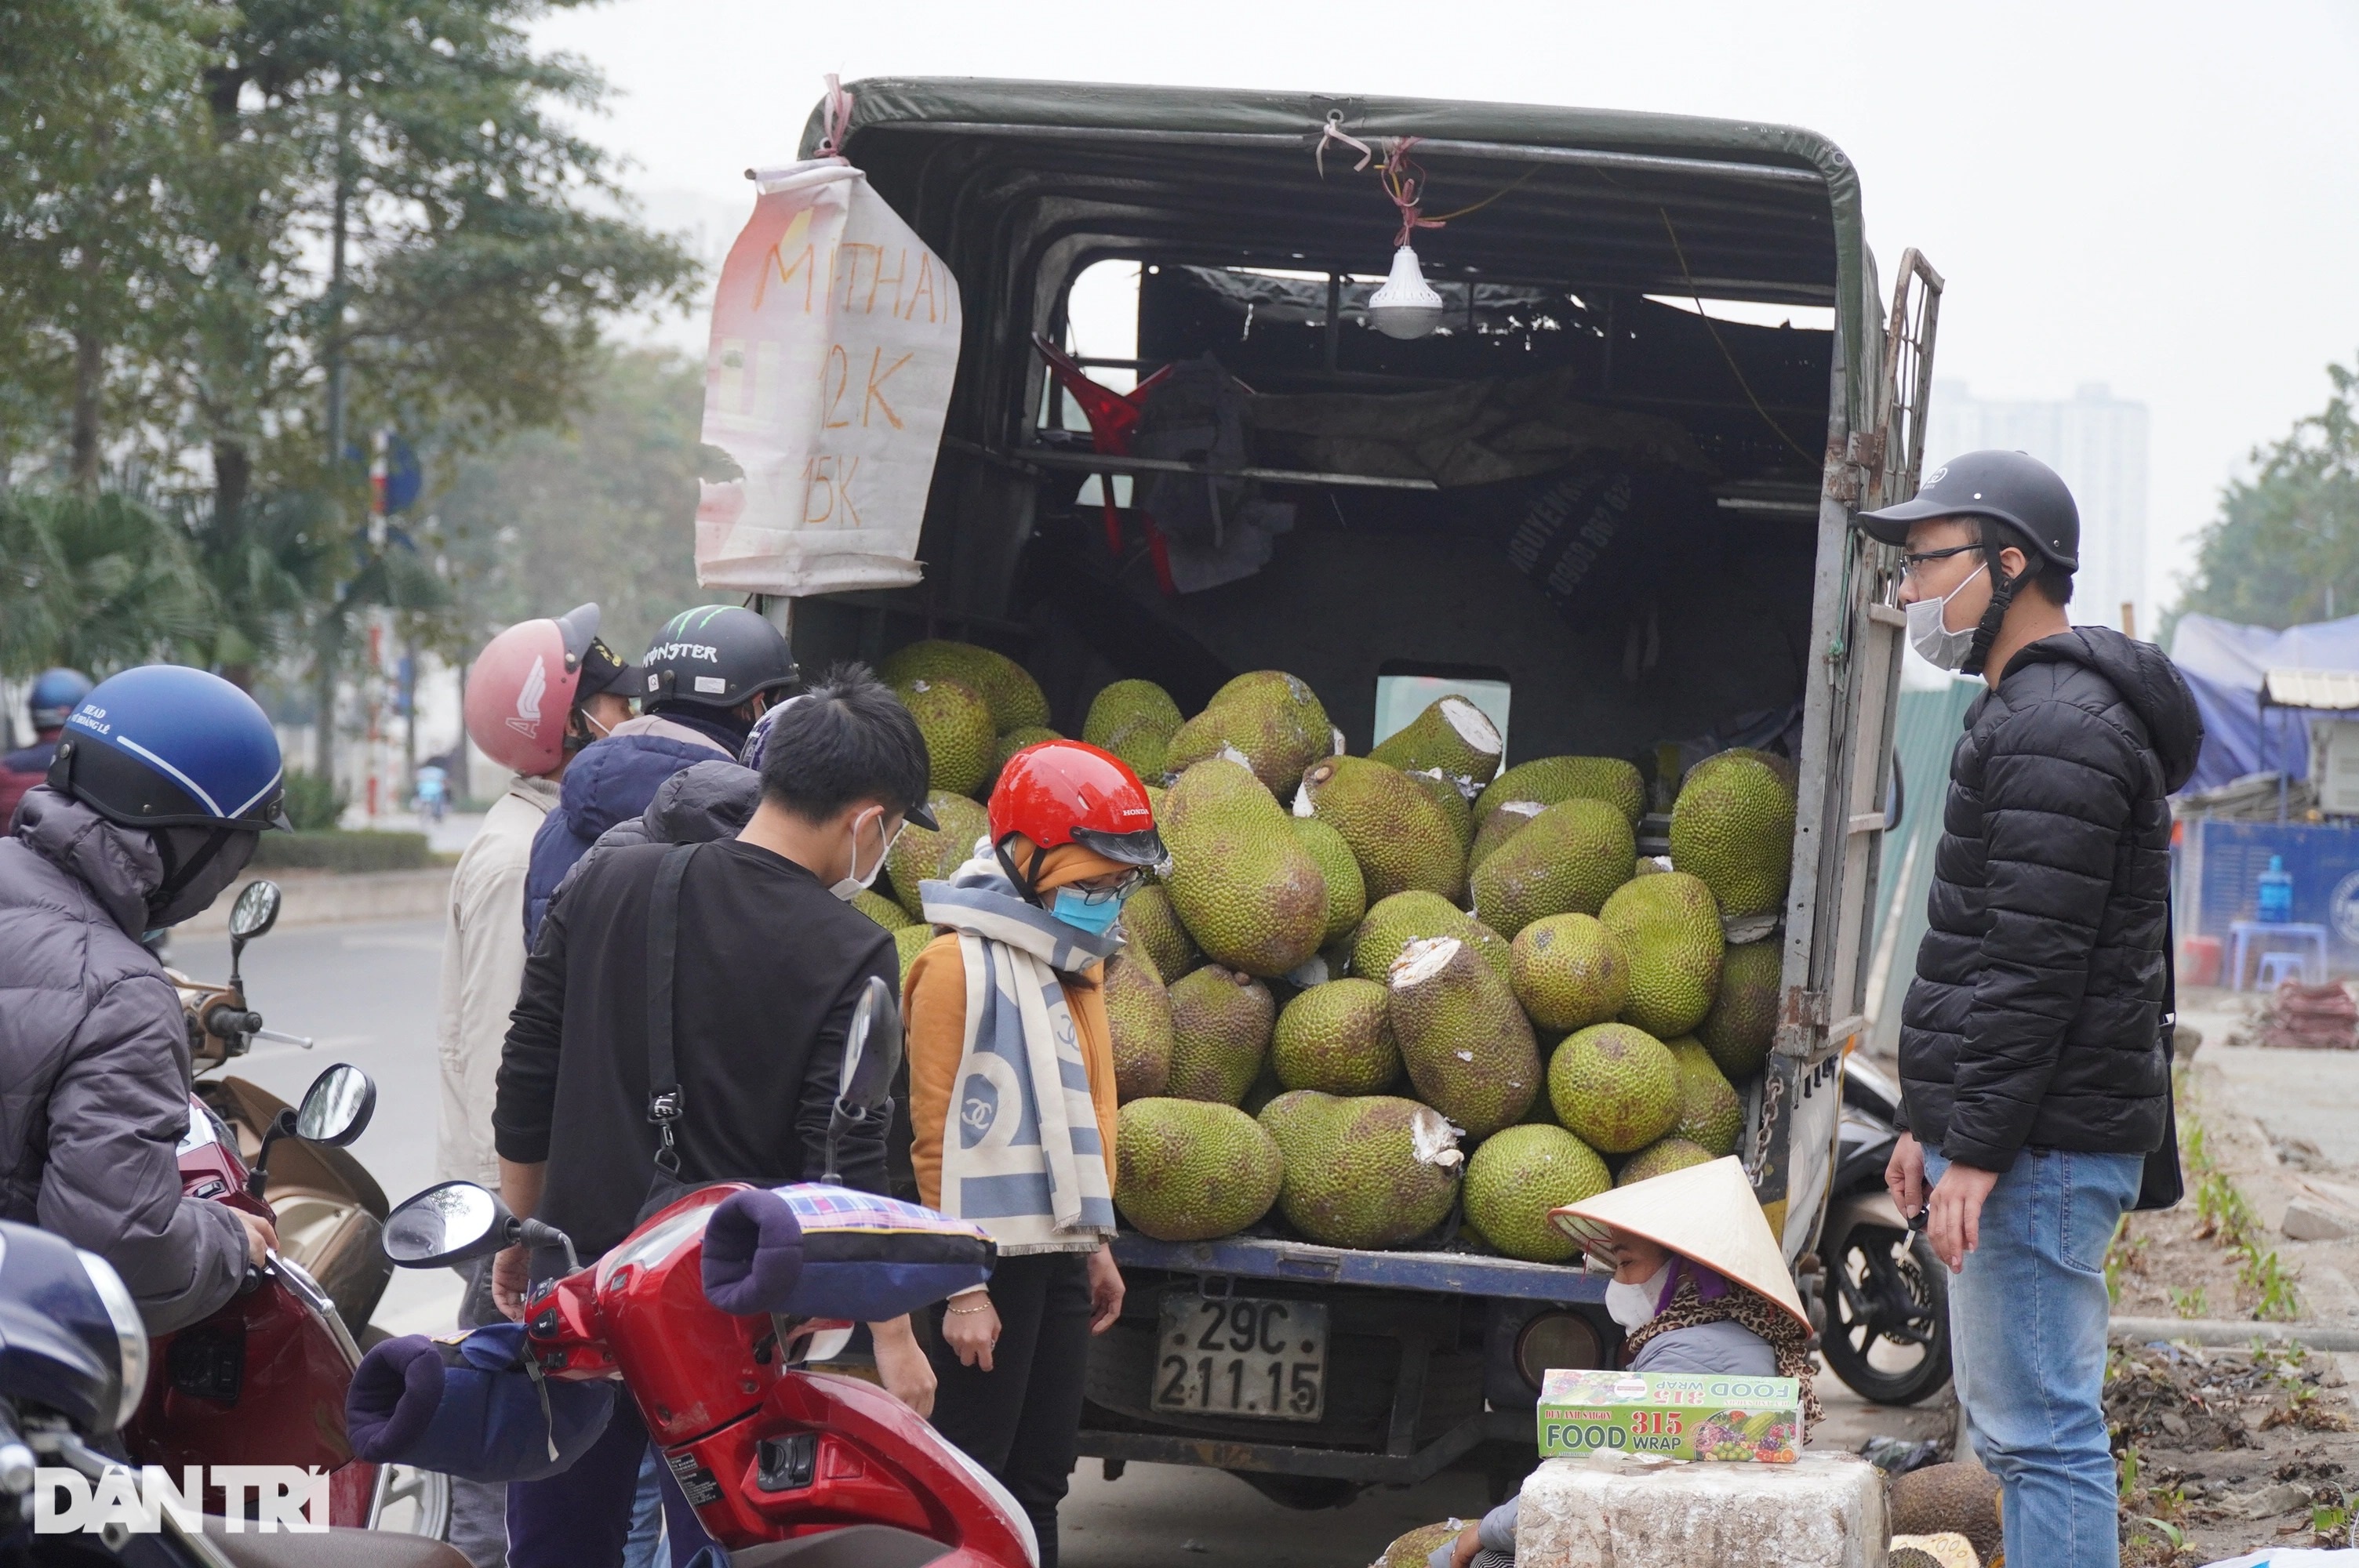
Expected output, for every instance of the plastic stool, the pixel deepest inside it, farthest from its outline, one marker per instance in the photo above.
(2279, 967)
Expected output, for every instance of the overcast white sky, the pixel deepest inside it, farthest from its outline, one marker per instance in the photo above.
(2161, 197)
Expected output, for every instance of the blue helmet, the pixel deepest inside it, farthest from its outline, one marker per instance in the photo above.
(55, 692)
(167, 746)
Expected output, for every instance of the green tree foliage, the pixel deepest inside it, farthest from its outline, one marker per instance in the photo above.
(600, 508)
(96, 582)
(97, 108)
(234, 238)
(2286, 544)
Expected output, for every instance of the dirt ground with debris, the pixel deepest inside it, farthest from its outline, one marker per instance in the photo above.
(2226, 1450)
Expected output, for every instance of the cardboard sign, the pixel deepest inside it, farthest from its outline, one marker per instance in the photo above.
(835, 338)
(1679, 1415)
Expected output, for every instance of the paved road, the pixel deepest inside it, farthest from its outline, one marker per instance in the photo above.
(367, 994)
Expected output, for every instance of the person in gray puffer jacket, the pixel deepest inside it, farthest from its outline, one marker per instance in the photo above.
(698, 804)
(164, 778)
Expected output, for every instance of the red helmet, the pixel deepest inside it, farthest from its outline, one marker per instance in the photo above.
(1064, 792)
(523, 685)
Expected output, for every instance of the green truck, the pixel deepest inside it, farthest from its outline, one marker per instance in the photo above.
(1607, 492)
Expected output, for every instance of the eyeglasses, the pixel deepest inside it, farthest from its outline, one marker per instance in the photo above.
(1912, 566)
(1122, 886)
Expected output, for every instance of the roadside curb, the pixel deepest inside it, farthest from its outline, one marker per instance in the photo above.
(2214, 1331)
(323, 898)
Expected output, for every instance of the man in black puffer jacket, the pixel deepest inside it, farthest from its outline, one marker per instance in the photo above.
(2034, 1077)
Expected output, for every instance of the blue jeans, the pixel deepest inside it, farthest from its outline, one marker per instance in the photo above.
(2028, 1336)
(582, 1516)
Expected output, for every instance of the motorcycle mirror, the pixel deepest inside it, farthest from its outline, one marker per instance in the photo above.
(451, 1223)
(871, 1058)
(256, 911)
(336, 1109)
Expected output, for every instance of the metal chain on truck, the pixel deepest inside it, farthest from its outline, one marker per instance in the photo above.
(1773, 1089)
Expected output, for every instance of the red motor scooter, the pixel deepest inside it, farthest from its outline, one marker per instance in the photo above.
(784, 1466)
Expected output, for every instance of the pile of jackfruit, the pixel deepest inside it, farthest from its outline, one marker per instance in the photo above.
(1374, 993)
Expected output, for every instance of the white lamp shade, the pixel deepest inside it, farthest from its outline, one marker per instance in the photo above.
(1406, 305)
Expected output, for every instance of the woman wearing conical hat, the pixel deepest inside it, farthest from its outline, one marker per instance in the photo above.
(1700, 1285)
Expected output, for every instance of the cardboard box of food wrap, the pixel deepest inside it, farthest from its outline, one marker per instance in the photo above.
(1679, 1415)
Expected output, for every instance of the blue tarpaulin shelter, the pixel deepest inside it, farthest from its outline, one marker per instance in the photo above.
(2225, 665)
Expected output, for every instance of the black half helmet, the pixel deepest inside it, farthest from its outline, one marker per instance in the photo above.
(2014, 487)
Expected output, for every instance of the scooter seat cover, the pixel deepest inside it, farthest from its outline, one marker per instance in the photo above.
(814, 1251)
(471, 1406)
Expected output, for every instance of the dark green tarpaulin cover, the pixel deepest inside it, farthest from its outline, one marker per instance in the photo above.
(998, 175)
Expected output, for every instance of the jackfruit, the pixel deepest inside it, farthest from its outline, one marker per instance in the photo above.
(1732, 825)
(908, 943)
(1661, 1158)
(1505, 820)
(1518, 1175)
(1337, 1038)
(1392, 924)
(1615, 1088)
(1670, 928)
(1452, 735)
(1220, 1032)
(1186, 1171)
(1711, 1116)
(1743, 1016)
(1364, 1171)
(1468, 1047)
(1347, 891)
(1454, 809)
(1410, 1551)
(1148, 921)
(1135, 719)
(1550, 779)
(880, 908)
(1247, 891)
(918, 856)
(1569, 971)
(956, 722)
(1016, 699)
(1955, 1496)
(1270, 719)
(1138, 1014)
(1397, 833)
(1569, 860)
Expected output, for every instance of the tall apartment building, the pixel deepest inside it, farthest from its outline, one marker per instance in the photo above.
(2098, 442)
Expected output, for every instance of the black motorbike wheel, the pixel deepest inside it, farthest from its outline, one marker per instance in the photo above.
(1888, 1321)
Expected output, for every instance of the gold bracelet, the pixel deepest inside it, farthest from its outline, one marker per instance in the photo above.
(966, 1312)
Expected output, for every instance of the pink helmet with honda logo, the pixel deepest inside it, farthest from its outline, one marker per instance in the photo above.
(524, 686)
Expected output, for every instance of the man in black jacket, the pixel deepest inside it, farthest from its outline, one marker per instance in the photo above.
(2033, 1074)
(770, 960)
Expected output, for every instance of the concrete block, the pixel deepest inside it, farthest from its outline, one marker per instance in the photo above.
(1603, 1510)
(2312, 1219)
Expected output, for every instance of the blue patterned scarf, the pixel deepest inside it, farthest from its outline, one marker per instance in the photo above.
(1022, 1156)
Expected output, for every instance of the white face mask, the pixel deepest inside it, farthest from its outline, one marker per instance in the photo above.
(1928, 628)
(851, 887)
(1633, 1306)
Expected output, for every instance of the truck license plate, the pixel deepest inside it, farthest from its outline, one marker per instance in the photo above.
(1241, 1356)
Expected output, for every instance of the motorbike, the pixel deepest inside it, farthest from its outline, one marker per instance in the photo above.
(263, 1379)
(784, 1466)
(1883, 1300)
(77, 1376)
(331, 1210)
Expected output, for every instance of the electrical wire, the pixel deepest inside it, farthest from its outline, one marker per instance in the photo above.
(1743, 385)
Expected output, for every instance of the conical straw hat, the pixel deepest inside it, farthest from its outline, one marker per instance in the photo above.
(1706, 1213)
